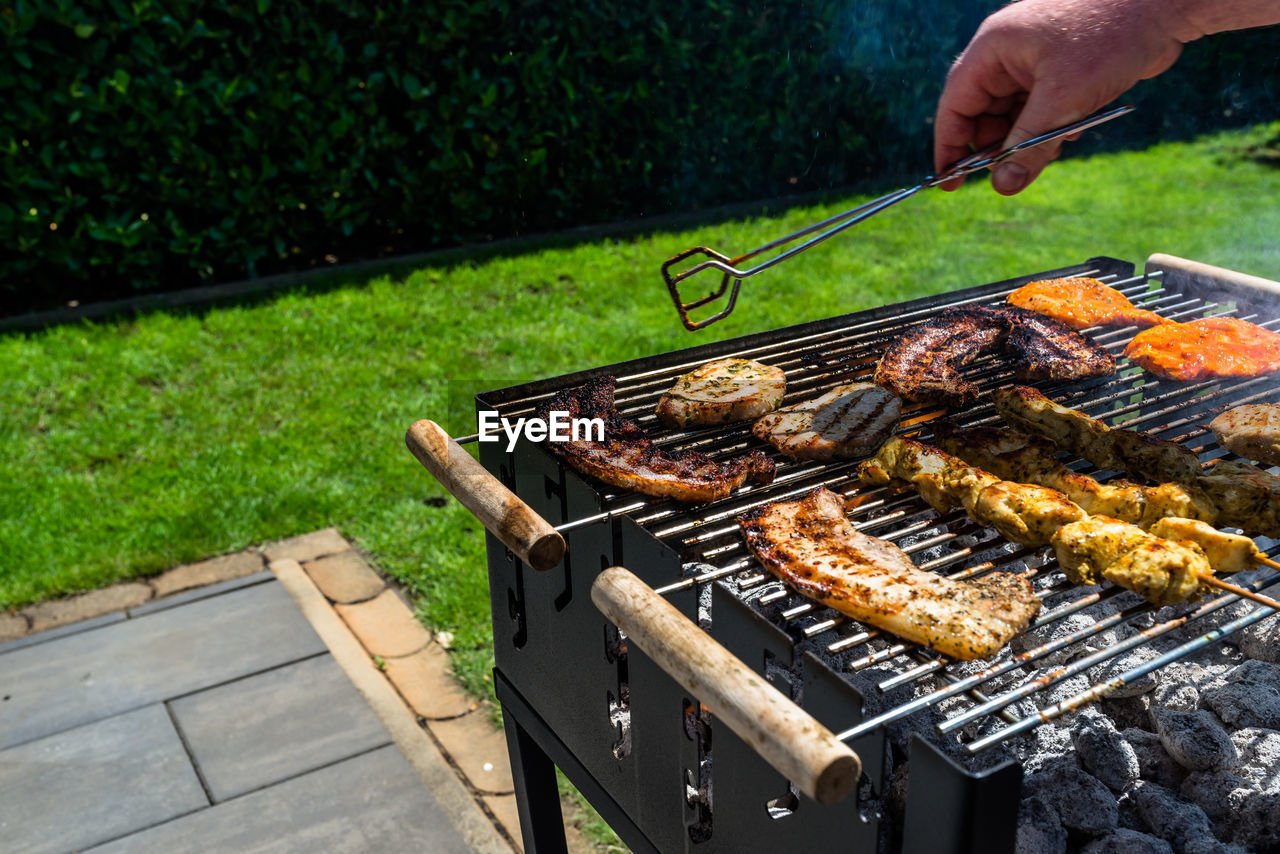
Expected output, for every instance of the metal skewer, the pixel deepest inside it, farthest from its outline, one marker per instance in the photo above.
(984, 159)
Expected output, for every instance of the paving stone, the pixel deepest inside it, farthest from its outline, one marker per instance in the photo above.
(479, 749)
(505, 811)
(266, 728)
(369, 804)
(307, 547)
(12, 625)
(60, 612)
(96, 782)
(385, 625)
(89, 675)
(345, 577)
(423, 680)
(63, 631)
(211, 571)
(201, 593)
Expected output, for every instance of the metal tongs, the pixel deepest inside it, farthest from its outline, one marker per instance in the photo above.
(989, 156)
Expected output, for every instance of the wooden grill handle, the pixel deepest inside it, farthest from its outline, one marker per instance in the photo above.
(1199, 271)
(500, 510)
(787, 737)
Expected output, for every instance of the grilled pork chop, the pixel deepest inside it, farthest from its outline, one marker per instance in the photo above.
(628, 459)
(723, 391)
(848, 421)
(811, 546)
(1252, 431)
(924, 364)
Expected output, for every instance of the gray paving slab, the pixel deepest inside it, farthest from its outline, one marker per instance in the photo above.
(369, 804)
(266, 728)
(62, 631)
(201, 593)
(94, 783)
(90, 675)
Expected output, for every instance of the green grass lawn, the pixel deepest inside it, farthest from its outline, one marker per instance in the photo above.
(132, 446)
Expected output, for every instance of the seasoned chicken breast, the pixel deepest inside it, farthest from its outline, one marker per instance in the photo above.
(721, 392)
(1100, 548)
(1252, 431)
(811, 546)
(848, 421)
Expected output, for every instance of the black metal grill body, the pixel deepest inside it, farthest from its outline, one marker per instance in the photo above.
(645, 753)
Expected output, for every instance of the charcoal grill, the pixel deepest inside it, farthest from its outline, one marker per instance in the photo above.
(661, 768)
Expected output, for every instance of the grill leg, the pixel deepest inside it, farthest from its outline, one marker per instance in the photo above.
(537, 798)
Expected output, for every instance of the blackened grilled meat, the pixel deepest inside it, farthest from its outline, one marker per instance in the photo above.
(628, 459)
(924, 364)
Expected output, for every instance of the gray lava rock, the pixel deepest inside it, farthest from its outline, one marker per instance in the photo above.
(1103, 751)
(1259, 762)
(1262, 640)
(1180, 823)
(1066, 689)
(1127, 711)
(1128, 842)
(1155, 763)
(1248, 696)
(1082, 802)
(1050, 744)
(1195, 739)
(1212, 790)
(1057, 629)
(1171, 695)
(1039, 830)
(1112, 668)
(1210, 845)
(1254, 820)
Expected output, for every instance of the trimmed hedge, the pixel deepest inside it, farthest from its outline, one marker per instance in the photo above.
(163, 145)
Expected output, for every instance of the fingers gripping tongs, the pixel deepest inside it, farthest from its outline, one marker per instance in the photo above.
(731, 271)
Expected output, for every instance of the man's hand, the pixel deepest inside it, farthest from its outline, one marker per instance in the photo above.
(1039, 64)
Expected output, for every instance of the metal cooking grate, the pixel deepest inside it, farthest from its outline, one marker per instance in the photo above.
(996, 693)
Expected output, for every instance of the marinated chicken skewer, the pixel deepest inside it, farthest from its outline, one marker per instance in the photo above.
(1089, 548)
(812, 546)
(1242, 495)
(1023, 457)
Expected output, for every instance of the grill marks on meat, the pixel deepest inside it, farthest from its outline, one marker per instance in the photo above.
(925, 363)
(721, 392)
(628, 459)
(812, 547)
(849, 421)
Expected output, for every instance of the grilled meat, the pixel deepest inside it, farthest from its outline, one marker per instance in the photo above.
(1104, 446)
(924, 364)
(1081, 303)
(1241, 495)
(721, 392)
(1226, 552)
(1252, 431)
(848, 421)
(1101, 548)
(1033, 459)
(811, 546)
(1089, 548)
(1211, 347)
(1024, 513)
(628, 459)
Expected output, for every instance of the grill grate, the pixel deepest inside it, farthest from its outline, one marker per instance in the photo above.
(708, 541)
